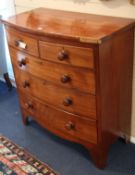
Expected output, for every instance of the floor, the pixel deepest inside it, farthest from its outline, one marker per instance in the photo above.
(64, 157)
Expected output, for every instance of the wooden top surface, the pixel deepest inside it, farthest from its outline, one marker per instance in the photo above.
(85, 27)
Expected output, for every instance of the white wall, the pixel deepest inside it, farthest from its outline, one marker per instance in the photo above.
(121, 8)
(6, 9)
(111, 7)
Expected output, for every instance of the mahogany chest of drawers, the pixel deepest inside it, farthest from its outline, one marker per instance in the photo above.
(74, 75)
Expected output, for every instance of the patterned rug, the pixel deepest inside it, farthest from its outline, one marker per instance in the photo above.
(16, 161)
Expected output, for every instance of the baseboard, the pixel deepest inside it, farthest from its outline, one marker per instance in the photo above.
(132, 139)
(11, 79)
(13, 82)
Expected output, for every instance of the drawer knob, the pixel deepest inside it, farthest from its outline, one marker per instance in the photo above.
(20, 44)
(70, 126)
(26, 84)
(67, 102)
(62, 55)
(22, 62)
(29, 105)
(65, 79)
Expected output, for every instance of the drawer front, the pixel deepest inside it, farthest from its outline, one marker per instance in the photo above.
(59, 122)
(66, 99)
(24, 43)
(76, 56)
(65, 76)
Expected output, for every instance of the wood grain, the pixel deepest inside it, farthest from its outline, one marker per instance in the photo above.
(87, 100)
(77, 56)
(69, 25)
(81, 79)
(82, 103)
(31, 44)
(56, 120)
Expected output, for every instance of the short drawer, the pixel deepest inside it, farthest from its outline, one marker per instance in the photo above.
(22, 42)
(72, 55)
(66, 76)
(62, 123)
(66, 99)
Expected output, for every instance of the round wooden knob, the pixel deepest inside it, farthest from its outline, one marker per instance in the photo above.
(70, 126)
(65, 79)
(62, 55)
(26, 84)
(29, 105)
(22, 62)
(67, 102)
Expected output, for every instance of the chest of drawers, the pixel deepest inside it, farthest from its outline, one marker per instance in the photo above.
(74, 75)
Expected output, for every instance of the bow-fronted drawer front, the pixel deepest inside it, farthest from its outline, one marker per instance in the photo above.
(66, 76)
(67, 125)
(22, 42)
(66, 54)
(69, 100)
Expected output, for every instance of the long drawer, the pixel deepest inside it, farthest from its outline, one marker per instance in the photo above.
(22, 42)
(67, 99)
(66, 76)
(59, 122)
(65, 54)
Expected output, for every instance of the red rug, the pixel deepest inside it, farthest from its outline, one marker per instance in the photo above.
(16, 161)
